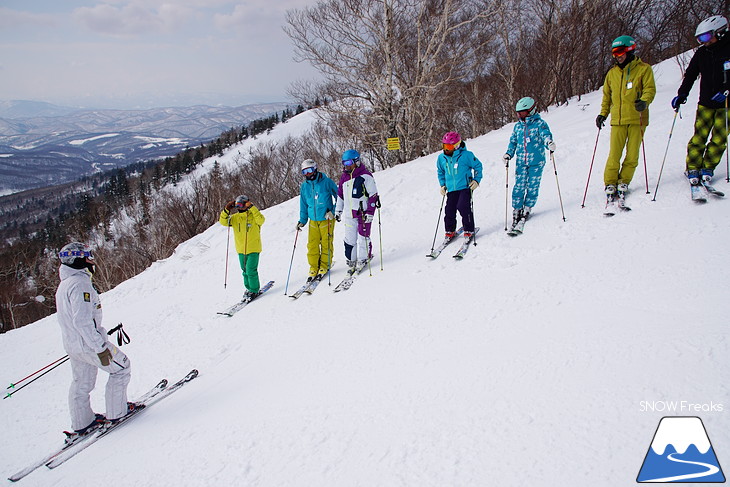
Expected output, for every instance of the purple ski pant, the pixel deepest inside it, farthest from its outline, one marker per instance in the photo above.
(459, 200)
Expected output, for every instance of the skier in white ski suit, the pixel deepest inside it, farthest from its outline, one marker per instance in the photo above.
(357, 199)
(85, 341)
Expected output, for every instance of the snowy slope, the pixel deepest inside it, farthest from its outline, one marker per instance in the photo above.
(525, 364)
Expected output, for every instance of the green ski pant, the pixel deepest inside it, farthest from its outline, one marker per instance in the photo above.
(701, 154)
(250, 267)
(628, 136)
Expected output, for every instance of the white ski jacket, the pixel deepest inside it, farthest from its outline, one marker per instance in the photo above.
(79, 312)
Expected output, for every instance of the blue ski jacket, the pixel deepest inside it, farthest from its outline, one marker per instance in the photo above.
(529, 140)
(456, 171)
(316, 198)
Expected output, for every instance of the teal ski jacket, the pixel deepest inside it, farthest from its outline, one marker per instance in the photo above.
(317, 197)
(456, 171)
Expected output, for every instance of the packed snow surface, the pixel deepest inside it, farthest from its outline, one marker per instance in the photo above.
(542, 360)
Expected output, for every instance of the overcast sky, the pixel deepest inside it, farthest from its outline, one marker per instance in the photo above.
(147, 53)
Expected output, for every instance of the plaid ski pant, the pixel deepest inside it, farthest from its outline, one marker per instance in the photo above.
(701, 154)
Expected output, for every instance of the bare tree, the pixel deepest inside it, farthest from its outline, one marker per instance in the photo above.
(386, 62)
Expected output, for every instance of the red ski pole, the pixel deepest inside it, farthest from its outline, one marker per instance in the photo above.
(590, 170)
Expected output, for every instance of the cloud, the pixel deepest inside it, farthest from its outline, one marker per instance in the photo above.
(257, 13)
(132, 18)
(14, 19)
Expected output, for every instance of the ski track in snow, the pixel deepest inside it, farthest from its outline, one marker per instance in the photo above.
(522, 365)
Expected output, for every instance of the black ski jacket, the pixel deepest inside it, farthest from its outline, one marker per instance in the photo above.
(708, 62)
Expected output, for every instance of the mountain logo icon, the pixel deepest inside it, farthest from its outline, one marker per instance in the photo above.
(680, 452)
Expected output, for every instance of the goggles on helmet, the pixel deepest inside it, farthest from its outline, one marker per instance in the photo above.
(349, 162)
(87, 254)
(705, 37)
(451, 146)
(308, 170)
(620, 51)
(241, 204)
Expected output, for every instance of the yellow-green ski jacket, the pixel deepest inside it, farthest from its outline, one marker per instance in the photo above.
(622, 87)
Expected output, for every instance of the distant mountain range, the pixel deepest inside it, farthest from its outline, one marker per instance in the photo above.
(43, 144)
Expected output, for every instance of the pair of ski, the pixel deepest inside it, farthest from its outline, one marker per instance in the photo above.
(79, 443)
(517, 228)
(349, 279)
(462, 250)
(308, 286)
(614, 204)
(701, 191)
(245, 301)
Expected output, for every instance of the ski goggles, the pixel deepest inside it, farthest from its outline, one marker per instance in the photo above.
(523, 114)
(308, 170)
(242, 204)
(349, 162)
(702, 38)
(451, 146)
(87, 254)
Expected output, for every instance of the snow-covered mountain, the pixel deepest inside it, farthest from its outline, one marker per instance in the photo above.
(43, 144)
(522, 365)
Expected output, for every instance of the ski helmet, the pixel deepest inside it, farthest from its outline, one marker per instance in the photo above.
(526, 104)
(622, 45)
(75, 254)
(451, 138)
(309, 163)
(351, 155)
(715, 25)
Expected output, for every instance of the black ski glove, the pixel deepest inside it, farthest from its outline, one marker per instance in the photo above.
(640, 105)
(599, 121)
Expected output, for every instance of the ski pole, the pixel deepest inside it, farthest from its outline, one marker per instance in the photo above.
(643, 150)
(380, 236)
(329, 252)
(727, 156)
(661, 169)
(286, 288)
(228, 243)
(583, 204)
(552, 156)
(506, 196)
(13, 384)
(438, 222)
(38, 377)
(471, 204)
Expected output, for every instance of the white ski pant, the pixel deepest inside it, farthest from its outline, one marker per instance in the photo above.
(357, 239)
(84, 367)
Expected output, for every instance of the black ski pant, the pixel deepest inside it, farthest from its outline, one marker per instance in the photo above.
(459, 200)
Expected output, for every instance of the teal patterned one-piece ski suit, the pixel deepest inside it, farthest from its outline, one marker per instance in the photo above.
(527, 144)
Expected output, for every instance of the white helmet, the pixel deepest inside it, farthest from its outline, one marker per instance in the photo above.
(75, 250)
(717, 24)
(308, 163)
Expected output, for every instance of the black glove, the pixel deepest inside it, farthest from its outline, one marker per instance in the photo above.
(230, 205)
(640, 105)
(678, 100)
(599, 121)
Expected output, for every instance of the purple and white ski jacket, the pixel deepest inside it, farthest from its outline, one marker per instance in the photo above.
(357, 193)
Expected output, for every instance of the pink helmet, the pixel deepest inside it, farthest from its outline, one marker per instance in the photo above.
(451, 138)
